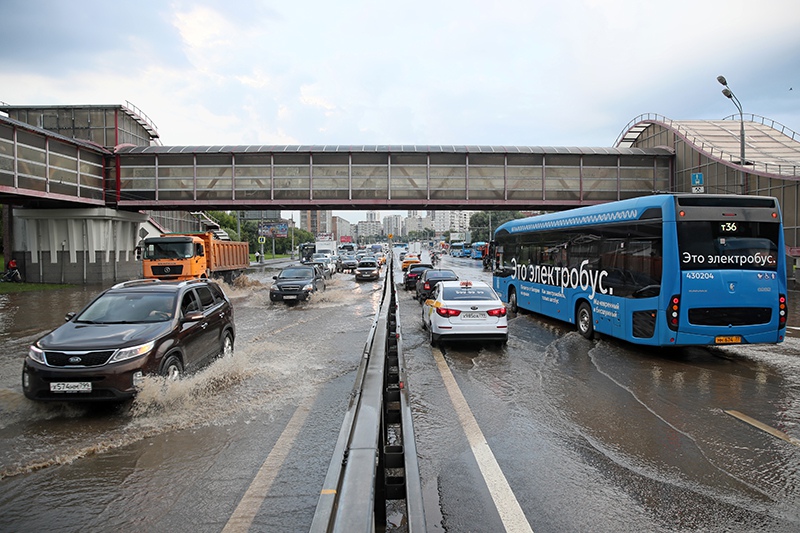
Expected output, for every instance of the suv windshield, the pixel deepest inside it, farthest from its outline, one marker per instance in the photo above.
(296, 273)
(130, 307)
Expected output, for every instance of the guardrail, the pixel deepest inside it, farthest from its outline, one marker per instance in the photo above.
(374, 468)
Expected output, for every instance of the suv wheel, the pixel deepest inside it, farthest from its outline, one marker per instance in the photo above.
(172, 368)
(226, 348)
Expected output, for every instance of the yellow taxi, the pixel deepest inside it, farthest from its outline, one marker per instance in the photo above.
(409, 259)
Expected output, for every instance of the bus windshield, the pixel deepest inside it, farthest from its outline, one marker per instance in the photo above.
(723, 245)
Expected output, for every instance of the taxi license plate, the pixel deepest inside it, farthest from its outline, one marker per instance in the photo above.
(78, 386)
(728, 339)
(473, 316)
(290, 297)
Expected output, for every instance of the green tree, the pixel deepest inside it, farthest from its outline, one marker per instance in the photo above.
(483, 223)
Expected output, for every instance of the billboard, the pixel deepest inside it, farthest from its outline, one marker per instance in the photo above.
(273, 229)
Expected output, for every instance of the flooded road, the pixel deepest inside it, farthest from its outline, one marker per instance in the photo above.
(607, 436)
(94, 466)
(590, 435)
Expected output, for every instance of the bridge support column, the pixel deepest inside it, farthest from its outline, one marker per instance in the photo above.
(81, 246)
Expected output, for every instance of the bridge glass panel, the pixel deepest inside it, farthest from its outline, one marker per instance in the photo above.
(253, 177)
(524, 177)
(292, 176)
(331, 176)
(409, 176)
(487, 176)
(137, 176)
(31, 159)
(448, 176)
(370, 176)
(214, 176)
(6, 155)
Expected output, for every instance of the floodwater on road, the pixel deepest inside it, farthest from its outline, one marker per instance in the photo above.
(281, 353)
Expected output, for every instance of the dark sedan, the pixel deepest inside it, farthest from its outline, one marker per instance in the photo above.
(413, 273)
(368, 269)
(428, 280)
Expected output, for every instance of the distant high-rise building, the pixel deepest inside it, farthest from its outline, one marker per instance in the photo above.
(316, 221)
(372, 216)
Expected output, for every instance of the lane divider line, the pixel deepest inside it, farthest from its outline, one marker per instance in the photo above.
(245, 512)
(763, 427)
(505, 501)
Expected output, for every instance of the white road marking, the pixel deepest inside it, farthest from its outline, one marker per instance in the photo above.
(242, 517)
(504, 500)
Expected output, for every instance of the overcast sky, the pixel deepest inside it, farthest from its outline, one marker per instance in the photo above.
(524, 73)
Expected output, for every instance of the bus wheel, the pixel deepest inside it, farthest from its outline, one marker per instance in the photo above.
(512, 301)
(583, 320)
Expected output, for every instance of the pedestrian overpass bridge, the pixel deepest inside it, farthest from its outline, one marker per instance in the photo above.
(111, 157)
(41, 167)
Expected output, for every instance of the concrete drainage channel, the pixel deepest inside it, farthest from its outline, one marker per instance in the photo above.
(373, 481)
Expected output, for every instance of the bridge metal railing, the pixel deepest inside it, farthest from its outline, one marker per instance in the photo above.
(374, 468)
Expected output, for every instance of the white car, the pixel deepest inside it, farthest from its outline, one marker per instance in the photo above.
(464, 310)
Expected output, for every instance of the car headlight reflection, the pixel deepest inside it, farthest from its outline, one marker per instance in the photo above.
(124, 354)
(36, 354)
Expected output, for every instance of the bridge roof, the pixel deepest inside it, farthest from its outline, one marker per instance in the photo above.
(386, 148)
(770, 147)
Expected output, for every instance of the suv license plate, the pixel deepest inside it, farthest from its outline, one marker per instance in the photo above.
(78, 386)
(728, 339)
(473, 316)
(289, 297)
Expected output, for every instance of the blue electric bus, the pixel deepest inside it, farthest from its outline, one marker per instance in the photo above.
(459, 249)
(477, 250)
(662, 270)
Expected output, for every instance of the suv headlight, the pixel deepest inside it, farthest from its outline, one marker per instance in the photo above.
(274, 288)
(124, 354)
(35, 353)
(308, 287)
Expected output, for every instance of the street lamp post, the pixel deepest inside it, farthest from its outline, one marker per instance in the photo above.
(732, 97)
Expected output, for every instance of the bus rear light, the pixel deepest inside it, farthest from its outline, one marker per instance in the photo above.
(673, 312)
(782, 311)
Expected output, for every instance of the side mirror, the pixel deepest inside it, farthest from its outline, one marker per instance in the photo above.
(194, 316)
(69, 316)
(274, 277)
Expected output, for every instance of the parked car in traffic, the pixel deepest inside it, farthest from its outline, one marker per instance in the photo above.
(135, 328)
(325, 265)
(464, 310)
(297, 283)
(428, 280)
(412, 274)
(368, 269)
(349, 263)
(409, 260)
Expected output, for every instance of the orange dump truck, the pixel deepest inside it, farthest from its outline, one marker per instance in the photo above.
(181, 256)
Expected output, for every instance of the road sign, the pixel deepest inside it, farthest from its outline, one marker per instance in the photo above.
(262, 240)
(697, 183)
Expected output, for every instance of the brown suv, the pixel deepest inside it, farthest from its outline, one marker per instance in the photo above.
(132, 329)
